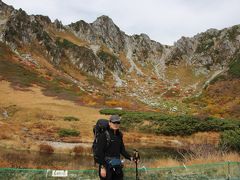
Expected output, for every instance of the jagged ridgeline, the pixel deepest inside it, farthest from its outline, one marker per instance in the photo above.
(195, 75)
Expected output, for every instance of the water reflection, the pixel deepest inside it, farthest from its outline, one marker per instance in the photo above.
(25, 159)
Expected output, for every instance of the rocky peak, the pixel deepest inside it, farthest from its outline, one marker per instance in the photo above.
(145, 36)
(58, 24)
(80, 25)
(5, 10)
(101, 31)
(109, 33)
(83, 30)
(43, 20)
(104, 20)
(4, 6)
(142, 48)
(104, 31)
(207, 51)
(17, 27)
(185, 46)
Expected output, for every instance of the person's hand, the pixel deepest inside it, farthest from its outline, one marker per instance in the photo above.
(134, 159)
(103, 172)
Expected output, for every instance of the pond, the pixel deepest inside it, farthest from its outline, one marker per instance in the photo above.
(36, 160)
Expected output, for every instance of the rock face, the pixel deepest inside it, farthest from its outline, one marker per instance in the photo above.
(102, 50)
(5, 12)
(138, 48)
(212, 50)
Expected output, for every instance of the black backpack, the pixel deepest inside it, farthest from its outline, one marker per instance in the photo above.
(101, 127)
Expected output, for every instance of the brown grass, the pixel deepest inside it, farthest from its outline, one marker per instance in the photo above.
(4, 164)
(45, 148)
(80, 150)
(164, 163)
(222, 99)
(211, 158)
(184, 73)
(214, 158)
(171, 141)
(42, 115)
(124, 60)
(70, 37)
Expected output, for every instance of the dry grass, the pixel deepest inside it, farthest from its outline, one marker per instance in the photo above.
(211, 158)
(80, 150)
(171, 141)
(124, 60)
(74, 72)
(5, 131)
(183, 73)
(222, 99)
(4, 163)
(70, 37)
(46, 148)
(207, 153)
(43, 115)
(164, 163)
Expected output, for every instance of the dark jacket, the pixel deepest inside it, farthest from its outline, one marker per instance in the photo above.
(115, 148)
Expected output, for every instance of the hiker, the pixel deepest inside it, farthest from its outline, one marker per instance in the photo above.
(110, 166)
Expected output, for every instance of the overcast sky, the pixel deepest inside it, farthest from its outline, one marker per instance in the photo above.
(162, 20)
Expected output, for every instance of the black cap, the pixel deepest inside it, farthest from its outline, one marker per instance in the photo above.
(114, 118)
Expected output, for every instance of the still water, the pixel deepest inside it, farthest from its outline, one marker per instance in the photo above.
(25, 159)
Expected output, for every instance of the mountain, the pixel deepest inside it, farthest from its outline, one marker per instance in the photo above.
(98, 64)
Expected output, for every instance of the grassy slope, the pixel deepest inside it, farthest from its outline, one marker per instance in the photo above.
(43, 116)
(221, 99)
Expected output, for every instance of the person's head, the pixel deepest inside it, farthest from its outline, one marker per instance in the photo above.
(114, 122)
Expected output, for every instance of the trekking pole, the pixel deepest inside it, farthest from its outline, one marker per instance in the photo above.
(136, 158)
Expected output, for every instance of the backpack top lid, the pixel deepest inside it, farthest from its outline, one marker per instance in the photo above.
(102, 122)
(101, 125)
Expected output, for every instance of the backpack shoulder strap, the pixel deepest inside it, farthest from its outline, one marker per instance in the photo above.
(108, 138)
(121, 134)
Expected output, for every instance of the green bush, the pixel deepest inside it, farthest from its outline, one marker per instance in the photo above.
(64, 43)
(230, 139)
(170, 125)
(71, 118)
(234, 67)
(104, 56)
(112, 112)
(205, 46)
(68, 132)
(108, 59)
(233, 32)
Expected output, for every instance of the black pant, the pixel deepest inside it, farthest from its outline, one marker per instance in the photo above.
(112, 173)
